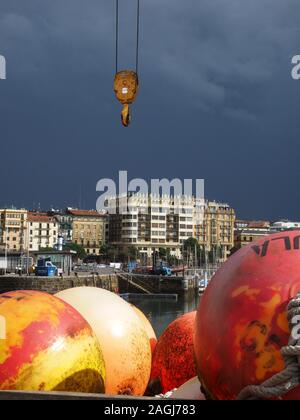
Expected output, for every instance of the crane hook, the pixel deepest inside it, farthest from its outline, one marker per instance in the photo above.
(126, 83)
(125, 115)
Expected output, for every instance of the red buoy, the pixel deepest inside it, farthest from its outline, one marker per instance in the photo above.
(173, 359)
(241, 323)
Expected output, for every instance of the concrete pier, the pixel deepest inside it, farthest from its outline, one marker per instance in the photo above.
(117, 282)
(135, 283)
(54, 285)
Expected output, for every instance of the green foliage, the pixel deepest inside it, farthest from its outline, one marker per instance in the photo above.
(79, 249)
(46, 249)
(108, 252)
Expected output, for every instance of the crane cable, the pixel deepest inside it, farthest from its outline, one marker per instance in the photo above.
(137, 36)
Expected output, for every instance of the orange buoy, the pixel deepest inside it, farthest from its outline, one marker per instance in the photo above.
(241, 322)
(47, 346)
(173, 359)
(122, 335)
(148, 327)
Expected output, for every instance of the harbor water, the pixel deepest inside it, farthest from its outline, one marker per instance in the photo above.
(161, 312)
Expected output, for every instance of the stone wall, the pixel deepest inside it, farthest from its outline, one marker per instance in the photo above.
(157, 284)
(56, 284)
(112, 282)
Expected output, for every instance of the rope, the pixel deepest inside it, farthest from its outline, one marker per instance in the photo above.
(137, 36)
(117, 35)
(289, 378)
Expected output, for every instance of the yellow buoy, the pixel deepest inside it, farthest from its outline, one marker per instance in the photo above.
(121, 334)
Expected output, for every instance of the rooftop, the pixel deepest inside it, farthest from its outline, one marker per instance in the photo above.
(254, 224)
(40, 217)
(84, 213)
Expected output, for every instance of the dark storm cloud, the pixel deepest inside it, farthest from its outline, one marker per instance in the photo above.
(216, 102)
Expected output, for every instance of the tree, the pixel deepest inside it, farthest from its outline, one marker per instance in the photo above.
(191, 248)
(46, 249)
(173, 260)
(163, 253)
(108, 252)
(128, 253)
(79, 249)
(191, 243)
(132, 252)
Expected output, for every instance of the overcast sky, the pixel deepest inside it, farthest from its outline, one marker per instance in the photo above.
(217, 100)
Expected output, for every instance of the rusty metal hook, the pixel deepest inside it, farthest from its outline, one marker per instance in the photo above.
(125, 115)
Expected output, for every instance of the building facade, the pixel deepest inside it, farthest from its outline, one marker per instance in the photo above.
(13, 230)
(42, 231)
(88, 229)
(247, 232)
(65, 225)
(152, 222)
(284, 225)
(215, 233)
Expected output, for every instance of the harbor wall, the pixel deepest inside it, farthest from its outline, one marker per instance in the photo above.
(122, 283)
(57, 284)
(157, 284)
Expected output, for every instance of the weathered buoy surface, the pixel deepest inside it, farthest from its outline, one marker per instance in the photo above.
(122, 336)
(173, 359)
(48, 346)
(241, 322)
(191, 390)
(148, 327)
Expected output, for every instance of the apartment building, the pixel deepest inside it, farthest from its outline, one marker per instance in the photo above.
(247, 232)
(215, 232)
(152, 222)
(65, 225)
(88, 229)
(13, 229)
(42, 231)
(284, 225)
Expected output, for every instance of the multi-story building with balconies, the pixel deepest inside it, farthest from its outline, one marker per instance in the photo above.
(42, 231)
(216, 231)
(150, 222)
(88, 229)
(13, 229)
